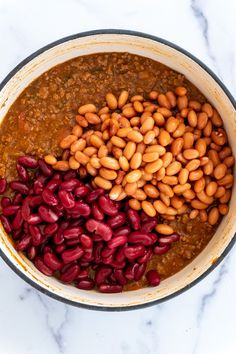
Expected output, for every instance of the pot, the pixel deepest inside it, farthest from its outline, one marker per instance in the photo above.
(212, 88)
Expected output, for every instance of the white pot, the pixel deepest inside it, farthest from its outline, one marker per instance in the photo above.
(177, 59)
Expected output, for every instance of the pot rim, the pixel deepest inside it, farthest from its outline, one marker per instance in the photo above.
(216, 79)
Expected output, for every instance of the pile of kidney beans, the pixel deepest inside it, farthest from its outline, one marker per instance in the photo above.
(75, 232)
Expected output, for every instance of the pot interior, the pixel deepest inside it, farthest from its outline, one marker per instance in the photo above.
(204, 82)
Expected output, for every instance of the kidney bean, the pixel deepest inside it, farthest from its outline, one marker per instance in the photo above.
(93, 196)
(5, 201)
(28, 161)
(108, 260)
(82, 208)
(107, 252)
(67, 199)
(45, 168)
(120, 255)
(69, 175)
(140, 271)
(10, 210)
(119, 275)
(117, 220)
(99, 228)
(84, 273)
(124, 230)
(6, 223)
(107, 206)
(3, 185)
(148, 226)
(117, 241)
(24, 243)
(22, 173)
(131, 270)
(25, 210)
(144, 217)
(50, 229)
(97, 252)
(70, 274)
(35, 232)
(70, 185)
(168, 239)
(81, 191)
(72, 254)
(161, 249)
(49, 198)
(106, 288)
(86, 241)
(47, 249)
(17, 199)
(18, 221)
(72, 232)
(47, 214)
(52, 261)
(133, 252)
(34, 219)
(134, 219)
(19, 187)
(53, 184)
(16, 234)
(102, 273)
(141, 237)
(60, 248)
(72, 242)
(97, 238)
(31, 253)
(118, 265)
(153, 278)
(88, 255)
(85, 284)
(35, 200)
(97, 212)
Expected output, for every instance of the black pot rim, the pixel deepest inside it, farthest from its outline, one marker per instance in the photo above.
(218, 81)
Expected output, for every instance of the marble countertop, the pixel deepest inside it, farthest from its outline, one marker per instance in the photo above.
(200, 321)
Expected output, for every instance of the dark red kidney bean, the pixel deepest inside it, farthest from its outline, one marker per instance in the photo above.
(18, 221)
(153, 278)
(54, 183)
(117, 241)
(16, 234)
(86, 284)
(107, 252)
(34, 219)
(92, 196)
(25, 209)
(82, 208)
(35, 200)
(69, 175)
(133, 252)
(84, 264)
(6, 223)
(24, 243)
(112, 279)
(86, 241)
(148, 226)
(67, 199)
(58, 238)
(47, 249)
(73, 254)
(38, 187)
(81, 191)
(107, 288)
(97, 252)
(120, 256)
(84, 273)
(134, 219)
(49, 198)
(46, 169)
(22, 173)
(107, 206)
(108, 260)
(28, 161)
(161, 249)
(70, 274)
(26, 227)
(154, 236)
(141, 238)
(97, 238)
(3, 185)
(5, 201)
(19, 187)
(42, 267)
(31, 253)
(143, 216)
(97, 212)
(77, 222)
(100, 228)
(60, 248)
(131, 270)
(140, 271)
(50, 229)
(52, 261)
(73, 232)
(117, 220)
(35, 232)
(88, 255)
(146, 257)
(70, 185)
(17, 199)
(117, 265)
(72, 242)
(168, 239)
(119, 275)
(124, 230)
(10, 210)
(102, 273)
(47, 214)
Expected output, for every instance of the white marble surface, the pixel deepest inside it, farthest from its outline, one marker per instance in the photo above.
(202, 320)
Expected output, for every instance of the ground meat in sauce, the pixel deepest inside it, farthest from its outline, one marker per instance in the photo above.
(45, 111)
